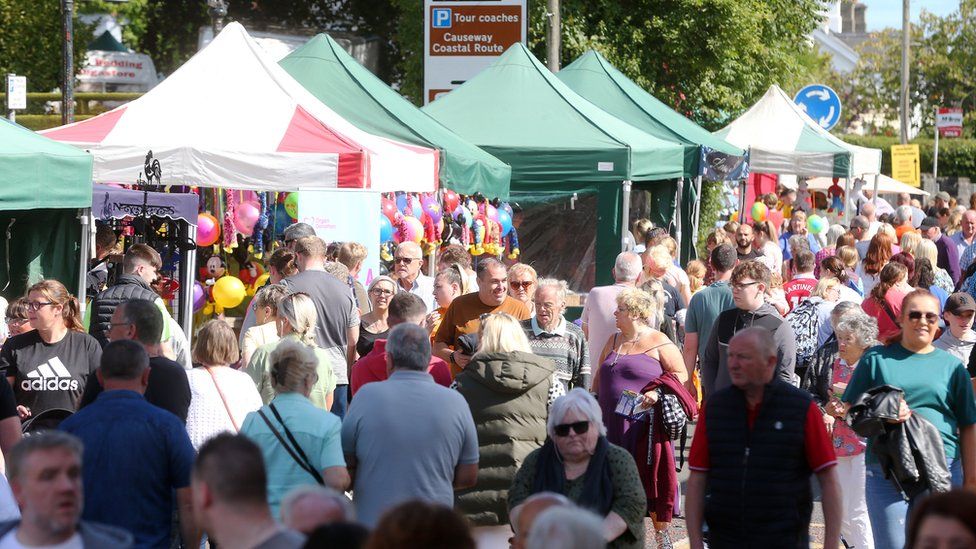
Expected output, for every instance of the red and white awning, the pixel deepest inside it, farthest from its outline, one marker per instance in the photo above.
(231, 117)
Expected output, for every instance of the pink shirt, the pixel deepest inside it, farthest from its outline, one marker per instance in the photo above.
(846, 441)
(599, 320)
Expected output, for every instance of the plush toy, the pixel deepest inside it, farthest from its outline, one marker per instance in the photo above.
(250, 271)
(214, 268)
(803, 201)
(836, 194)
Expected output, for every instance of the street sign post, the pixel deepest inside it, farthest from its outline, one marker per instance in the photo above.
(16, 95)
(948, 123)
(905, 164)
(821, 103)
(461, 38)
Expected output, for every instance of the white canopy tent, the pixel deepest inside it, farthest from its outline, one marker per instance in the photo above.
(231, 117)
(886, 185)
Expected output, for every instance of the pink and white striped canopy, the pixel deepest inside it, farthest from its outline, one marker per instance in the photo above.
(231, 117)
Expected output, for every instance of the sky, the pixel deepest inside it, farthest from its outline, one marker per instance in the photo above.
(887, 13)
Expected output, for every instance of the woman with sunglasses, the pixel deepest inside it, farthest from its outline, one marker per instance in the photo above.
(373, 324)
(578, 462)
(936, 387)
(16, 317)
(508, 389)
(521, 284)
(49, 366)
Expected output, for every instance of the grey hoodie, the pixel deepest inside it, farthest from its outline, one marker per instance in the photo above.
(714, 368)
(93, 535)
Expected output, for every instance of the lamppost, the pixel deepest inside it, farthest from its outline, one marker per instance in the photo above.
(218, 10)
(67, 65)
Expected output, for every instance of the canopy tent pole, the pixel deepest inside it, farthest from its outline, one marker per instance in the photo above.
(696, 216)
(874, 195)
(847, 202)
(625, 215)
(679, 195)
(83, 216)
(188, 266)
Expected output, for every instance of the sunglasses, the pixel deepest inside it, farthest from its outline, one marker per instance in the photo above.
(406, 260)
(930, 318)
(522, 285)
(579, 428)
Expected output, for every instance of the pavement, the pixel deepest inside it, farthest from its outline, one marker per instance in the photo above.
(679, 531)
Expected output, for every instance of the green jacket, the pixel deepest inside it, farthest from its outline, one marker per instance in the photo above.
(508, 394)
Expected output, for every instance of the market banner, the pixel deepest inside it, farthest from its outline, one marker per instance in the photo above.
(719, 166)
(345, 216)
(114, 67)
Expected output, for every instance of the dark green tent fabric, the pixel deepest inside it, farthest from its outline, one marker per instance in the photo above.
(594, 78)
(36, 172)
(106, 42)
(324, 68)
(521, 113)
(41, 244)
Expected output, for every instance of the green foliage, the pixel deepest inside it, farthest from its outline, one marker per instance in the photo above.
(957, 157)
(711, 204)
(31, 41)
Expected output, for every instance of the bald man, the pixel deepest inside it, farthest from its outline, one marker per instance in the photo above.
(407, 261)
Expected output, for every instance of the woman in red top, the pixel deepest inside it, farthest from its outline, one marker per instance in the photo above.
(884, 303)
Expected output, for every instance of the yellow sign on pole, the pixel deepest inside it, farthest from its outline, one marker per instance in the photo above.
(906, 164)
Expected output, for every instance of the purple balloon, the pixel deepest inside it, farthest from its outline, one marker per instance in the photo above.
(199, 296)
(432, 208)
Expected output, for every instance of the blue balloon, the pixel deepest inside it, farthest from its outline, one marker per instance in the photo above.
(281, 219)
(505, 220)
(386, 229)
(507, 207)
(401, 202)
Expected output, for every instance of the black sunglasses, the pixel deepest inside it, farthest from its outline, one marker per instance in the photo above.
(931, 318)
(579, 427)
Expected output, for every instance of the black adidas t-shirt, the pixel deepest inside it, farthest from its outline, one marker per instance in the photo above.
(49, 376)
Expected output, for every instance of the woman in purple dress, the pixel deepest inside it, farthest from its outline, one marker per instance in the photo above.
(636, 355)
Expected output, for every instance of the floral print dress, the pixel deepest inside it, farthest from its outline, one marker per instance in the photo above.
(846, 441)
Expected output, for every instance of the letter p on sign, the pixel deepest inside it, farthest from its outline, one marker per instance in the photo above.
(441, 18)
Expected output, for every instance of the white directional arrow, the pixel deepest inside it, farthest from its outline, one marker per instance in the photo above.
(822, 93)
(825, 119)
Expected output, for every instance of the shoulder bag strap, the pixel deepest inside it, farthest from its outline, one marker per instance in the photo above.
(297, 447)
(891, 314)
(307, 467)
(233, 422)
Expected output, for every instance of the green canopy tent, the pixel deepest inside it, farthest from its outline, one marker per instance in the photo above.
(324, 68)
(594, 78)
(43, 184)
(558, 143)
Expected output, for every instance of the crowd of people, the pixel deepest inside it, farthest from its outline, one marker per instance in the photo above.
(460, 407)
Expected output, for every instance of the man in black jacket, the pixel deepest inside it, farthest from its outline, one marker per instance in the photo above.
(168, 388)
(756, 444)
(140, 267)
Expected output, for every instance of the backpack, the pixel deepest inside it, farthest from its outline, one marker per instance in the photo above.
(805, 323)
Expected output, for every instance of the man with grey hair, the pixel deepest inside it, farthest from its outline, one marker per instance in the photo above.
(337, 328)
(760, 423)
(859, 228)
(566, 528)
(598, 310)
(387, 433)
(45, 475)
(524, 515)
(552, 337)
(966, 235)
(407, 261)
(905, 199)
(309, 506)
(294, 232)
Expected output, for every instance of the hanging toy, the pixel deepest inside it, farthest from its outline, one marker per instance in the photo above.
(513, 244)
(836, 194)
(261, 225)
(431, 239)
(230, 228)
(479, 230)
(213, 269)
(803, 199)
(250, 272)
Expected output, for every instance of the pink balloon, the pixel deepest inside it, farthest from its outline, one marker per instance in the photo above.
(491, 213)
(246, 215)
(413, 229)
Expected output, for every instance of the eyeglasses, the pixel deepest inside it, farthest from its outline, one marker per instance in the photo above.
(381, 291)
(546, 306)
(524, 284)
(406, 260)
(579, 428)
(36, 305)
(930, 318)
(743, 285)
(17, 321)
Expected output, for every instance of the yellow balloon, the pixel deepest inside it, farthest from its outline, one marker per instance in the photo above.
(228, 292)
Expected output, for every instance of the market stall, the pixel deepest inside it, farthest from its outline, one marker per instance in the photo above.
(599, 82)
(351, 90)
(558, 145)
(45, 190)
(164, 221)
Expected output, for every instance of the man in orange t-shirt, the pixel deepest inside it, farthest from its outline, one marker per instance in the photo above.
(464, 314)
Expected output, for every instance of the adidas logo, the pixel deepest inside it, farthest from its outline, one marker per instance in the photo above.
(49, 376)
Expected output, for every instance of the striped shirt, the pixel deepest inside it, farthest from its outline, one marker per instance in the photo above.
(566, 346)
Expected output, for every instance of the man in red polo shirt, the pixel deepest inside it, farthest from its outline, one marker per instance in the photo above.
(404, 308)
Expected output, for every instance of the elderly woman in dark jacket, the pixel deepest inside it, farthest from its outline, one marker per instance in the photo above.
(578, 462)
(508, 389)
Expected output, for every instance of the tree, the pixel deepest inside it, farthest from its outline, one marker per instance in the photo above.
(31, 41)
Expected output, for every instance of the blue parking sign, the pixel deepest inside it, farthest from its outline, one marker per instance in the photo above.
(441, 18)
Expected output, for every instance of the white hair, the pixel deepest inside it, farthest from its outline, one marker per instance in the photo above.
(576, 400)
(562, 289)
(627, 267)
(323, 493)
(833, 233)
(903, 214)
(556, 497)
(566, 528)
